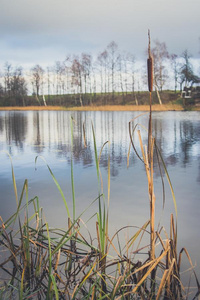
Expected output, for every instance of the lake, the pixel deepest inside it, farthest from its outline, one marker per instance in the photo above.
(25, 135)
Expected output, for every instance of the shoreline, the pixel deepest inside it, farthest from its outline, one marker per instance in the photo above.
(156, 107)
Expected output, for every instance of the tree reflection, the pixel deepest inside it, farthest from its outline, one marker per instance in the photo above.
(198, 178)
(189, 135)
(15, 126)
(51, 131)
(36, 133)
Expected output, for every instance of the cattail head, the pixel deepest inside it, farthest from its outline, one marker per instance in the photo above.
(150, 73)
(150, 66)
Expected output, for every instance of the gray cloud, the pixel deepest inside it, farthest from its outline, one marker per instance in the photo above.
(46, 30)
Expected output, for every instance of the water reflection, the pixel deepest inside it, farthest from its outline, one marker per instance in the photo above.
(28, 134)
(13, 127)
(177, 135)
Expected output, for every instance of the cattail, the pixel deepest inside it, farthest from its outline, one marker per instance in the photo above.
(150, 73)
(150, 67)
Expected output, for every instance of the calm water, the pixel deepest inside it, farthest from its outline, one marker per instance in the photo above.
(25, 135)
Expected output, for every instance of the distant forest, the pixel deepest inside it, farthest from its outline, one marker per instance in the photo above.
(110, 77)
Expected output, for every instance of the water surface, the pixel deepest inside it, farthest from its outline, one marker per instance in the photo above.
(25, 135)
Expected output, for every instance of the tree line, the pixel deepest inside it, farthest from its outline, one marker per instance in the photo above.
(80, 79)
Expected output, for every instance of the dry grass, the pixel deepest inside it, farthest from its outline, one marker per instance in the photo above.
(38, 262)
(156, 107)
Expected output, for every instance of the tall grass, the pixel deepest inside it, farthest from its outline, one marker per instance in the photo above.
(39, 262)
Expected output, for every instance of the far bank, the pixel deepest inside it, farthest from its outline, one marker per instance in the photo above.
(155, 107)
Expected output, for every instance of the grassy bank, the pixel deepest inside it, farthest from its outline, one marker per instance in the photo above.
(156, 107)
(105, 101)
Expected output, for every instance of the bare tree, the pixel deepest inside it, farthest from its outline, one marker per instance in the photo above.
(160, 55)
(113, 55)
(77, 72)
(102, 61)
(1, 91)
(121, 75)
(131, 59)
(87, 69)
(67, 71)
(99, 68)
(15, 86)
(175, 67)
(7, 78)
(59, 69)
(18, 86)
(186, 71)
(86, 61)
(48, 81)
(37, 74)
(94, 84)
(125, 62)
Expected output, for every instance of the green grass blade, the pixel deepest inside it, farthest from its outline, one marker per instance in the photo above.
(65, 238)
(55, 287)
(56, 182)
(22, 284)
(169, 181)
(13, 178)
(50, 260)
(96, 156)
(100, 217)
(72, 172)
(25, 188)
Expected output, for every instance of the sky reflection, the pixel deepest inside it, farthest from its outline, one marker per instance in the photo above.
(25, 135)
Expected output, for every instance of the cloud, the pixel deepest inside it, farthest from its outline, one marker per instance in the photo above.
(34, 27)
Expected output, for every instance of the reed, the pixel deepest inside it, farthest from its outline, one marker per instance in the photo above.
(39, 262)
(150, 66)
(42, 262)
(148, 161)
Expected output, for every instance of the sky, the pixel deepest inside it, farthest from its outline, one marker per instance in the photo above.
(44, 31)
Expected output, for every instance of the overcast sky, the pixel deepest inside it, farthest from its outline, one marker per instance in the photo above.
(43, 31)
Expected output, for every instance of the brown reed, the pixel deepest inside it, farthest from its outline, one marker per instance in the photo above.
(150, 66)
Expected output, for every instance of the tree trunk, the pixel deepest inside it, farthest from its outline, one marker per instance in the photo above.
(136, 100)
(80, 99)
(44, 101)
(37, 98)
(158, 95)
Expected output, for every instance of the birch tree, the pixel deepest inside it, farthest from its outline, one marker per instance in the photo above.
(113, 55)
(160, 56)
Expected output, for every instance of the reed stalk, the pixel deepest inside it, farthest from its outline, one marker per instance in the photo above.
(149, 165)
(149, 161)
